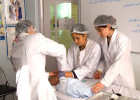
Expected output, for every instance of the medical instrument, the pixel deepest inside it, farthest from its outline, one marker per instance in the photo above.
(106, 96)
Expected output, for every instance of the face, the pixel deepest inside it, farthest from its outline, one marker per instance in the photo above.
(31, 30)
(79, 39)
(103, 32)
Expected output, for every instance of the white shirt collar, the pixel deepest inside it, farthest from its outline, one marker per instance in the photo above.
(22, 36)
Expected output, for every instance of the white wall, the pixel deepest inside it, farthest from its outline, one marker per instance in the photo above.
(6, 64)
(136, 65)
(32, 11)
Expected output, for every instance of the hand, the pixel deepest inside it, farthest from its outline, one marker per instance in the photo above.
(53, 73)
(97, 74)
(61, 74)
(54, 80)
(97, 87)
(68, 74)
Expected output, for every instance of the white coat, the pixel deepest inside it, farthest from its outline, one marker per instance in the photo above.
(90, 61)
(28, 59)
(117, 61)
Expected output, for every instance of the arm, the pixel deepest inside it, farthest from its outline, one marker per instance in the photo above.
(70, 59)
(70, 62)
(91, 62)
(99, 72)
(122, 54)
(101, 65)
(52, 48)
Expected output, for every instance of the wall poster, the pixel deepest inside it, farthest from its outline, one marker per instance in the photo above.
(2, 31)
(14, 11)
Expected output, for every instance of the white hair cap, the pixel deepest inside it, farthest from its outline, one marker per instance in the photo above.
(23, 27)
(103, 20)
(79, 28)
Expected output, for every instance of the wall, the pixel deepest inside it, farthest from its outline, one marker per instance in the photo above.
(136, 65)
(7, 67)
(6, 64)
(32, 11)
(128, 21)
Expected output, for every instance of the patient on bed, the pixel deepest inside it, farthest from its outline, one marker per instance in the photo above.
(73, 87)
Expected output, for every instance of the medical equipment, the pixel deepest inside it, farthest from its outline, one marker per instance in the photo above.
(108, 96)
(115, 96)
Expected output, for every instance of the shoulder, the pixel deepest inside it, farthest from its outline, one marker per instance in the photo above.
(73, 45)
(34, 36)
(93, 44)
(73, 48)
(122, 41)
(38, 37)
(121, 37)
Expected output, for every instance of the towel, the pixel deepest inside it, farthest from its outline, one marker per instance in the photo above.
(74, 87)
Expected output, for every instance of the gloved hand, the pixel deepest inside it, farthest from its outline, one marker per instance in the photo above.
(97, 74)
(97, 87)
(54, 80)
(61, 74)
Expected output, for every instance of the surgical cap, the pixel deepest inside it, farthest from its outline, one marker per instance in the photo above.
(23, 27)
(102, 20)
(79, 28)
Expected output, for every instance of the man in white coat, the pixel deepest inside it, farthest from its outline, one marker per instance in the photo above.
(116, 64)
(28, 59)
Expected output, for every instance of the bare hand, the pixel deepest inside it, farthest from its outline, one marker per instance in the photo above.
(54, 80)
(97, 87)
(97, 74)
(53, 73)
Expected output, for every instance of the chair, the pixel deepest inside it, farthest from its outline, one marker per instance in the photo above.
(6, 89)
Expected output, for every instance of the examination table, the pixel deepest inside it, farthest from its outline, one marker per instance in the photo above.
(117, 89)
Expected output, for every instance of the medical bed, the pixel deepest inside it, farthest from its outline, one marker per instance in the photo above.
(130, 93)
(61, 96)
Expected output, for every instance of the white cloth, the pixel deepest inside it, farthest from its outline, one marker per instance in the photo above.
(62, 96)
(90, 60)
(74, 87)
(117, 61)
(28, 59)
(81, 56)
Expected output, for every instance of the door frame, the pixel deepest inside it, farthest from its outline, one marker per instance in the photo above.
(44, 25)
(46, 14)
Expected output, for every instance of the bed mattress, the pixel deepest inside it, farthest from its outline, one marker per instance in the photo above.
(61, 96)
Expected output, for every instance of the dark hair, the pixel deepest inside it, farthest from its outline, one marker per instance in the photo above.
(104, 26)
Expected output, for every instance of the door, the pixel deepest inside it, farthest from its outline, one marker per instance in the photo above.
(59, 16)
